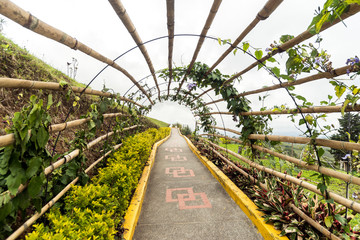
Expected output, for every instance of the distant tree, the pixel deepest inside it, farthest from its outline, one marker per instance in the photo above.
(2, 22)
(349, 123)
(185, 130)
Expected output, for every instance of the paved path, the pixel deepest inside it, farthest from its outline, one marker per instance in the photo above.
(184, 201)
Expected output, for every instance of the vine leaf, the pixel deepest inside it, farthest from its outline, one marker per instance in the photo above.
(329, 221)
(35, 186)
(34, 164)
(339, 90)
(42, 137)
(258, 54)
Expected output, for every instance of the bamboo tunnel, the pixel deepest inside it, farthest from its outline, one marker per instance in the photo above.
(44, 209)
(321, 75)
(124, 17)
(337, 198)
(322, 109)
(302, 140)
(170, 9)
(324, 170)
(214, 8)
(301, 214)
(27, 20)
(353, 9)
(9, 139)
(29, 84)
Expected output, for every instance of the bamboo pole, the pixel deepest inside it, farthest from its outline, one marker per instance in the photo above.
(322, 109)
(27, 20)
(124, 17)
(29, 84)
(264, 13)
(214, 8)
(302, 140)
(324, 170)
(301, 214)
(37, 215)
(76, 152)
(322, 75)
(67, 158)
(337, 198)
(170, 5)
(313, 223)
(9, 139)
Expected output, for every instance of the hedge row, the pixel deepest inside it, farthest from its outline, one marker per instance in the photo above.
(96, 210)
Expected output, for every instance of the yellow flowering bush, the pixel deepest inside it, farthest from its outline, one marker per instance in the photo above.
(95, 211)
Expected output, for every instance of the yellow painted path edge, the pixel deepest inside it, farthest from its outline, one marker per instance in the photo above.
(249, 208)
(133, 212)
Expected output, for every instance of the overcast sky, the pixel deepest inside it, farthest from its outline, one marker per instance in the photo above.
(95, 24)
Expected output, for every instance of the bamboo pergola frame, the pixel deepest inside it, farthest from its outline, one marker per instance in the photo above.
(27, 20)
(214, 8)
(308, 219)
(349, 146)
(263, 14)
(29, 84)
(68, 157)
(353, 9)
(44, 209)
(322, 75)
(337, 198)
(8, 139)
(124, 17)
(323, 109)
(324, 170)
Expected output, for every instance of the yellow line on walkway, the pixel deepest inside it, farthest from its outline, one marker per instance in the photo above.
(248, 207)
(133, 212)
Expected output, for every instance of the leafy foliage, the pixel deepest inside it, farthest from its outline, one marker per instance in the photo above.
(23, 162)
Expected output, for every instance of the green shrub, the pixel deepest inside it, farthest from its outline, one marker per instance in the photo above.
(96, 209)
(77, 224)
(91, 196)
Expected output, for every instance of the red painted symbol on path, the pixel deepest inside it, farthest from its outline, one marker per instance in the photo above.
(173, 149)
(175, 158)
(179, 172)
(187, 198)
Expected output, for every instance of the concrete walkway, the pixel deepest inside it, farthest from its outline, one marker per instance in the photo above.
(184, 201)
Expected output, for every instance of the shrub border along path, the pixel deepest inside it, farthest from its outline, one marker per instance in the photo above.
(133, 212)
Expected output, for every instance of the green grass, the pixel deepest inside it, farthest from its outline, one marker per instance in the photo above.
(17, 62)
(158, 122)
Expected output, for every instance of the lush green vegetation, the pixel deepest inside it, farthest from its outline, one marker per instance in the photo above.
(97, 208)
(335, 185)
(158, 122)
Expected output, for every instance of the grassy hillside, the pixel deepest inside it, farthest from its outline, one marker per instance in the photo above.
(158, 122)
